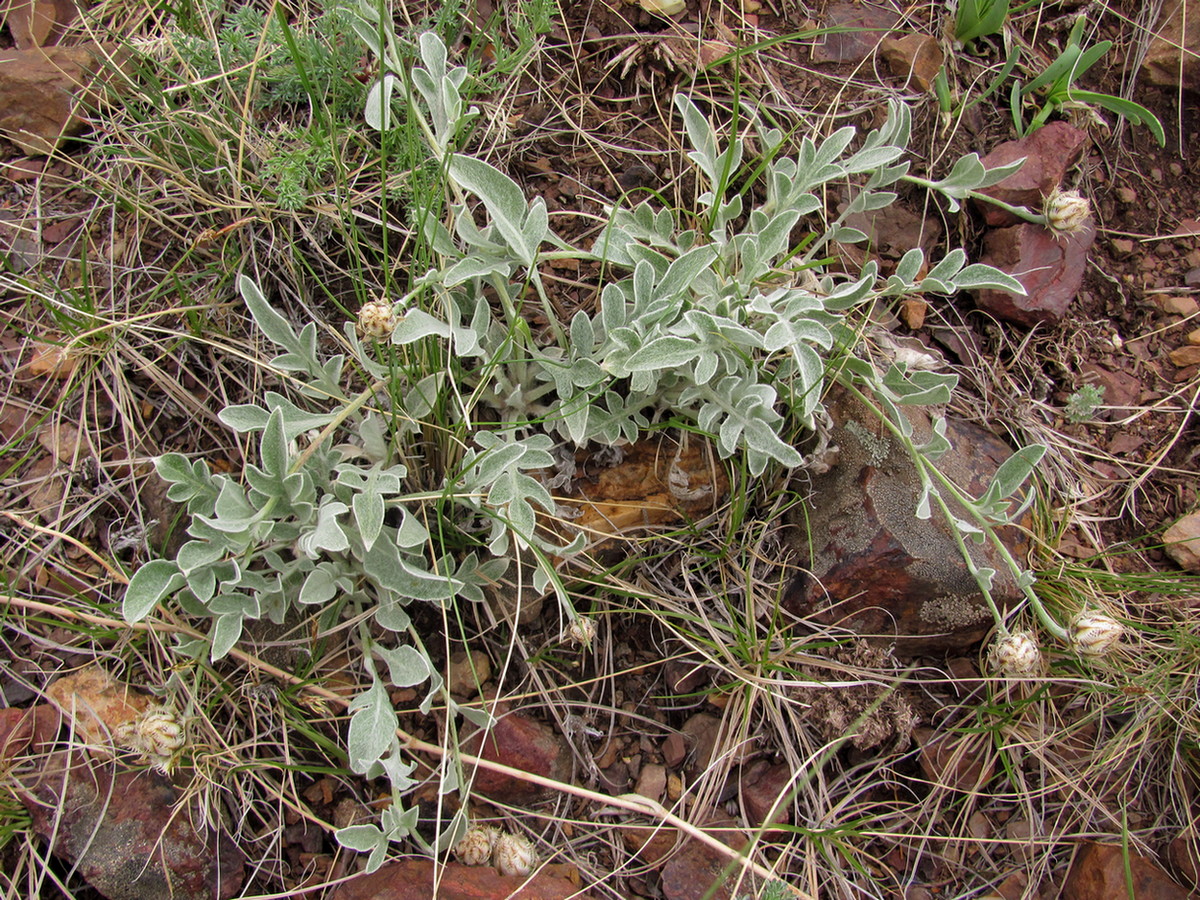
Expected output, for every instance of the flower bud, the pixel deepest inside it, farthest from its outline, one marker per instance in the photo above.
(157, 734)
(376, 319)
(514, 855)
(1094, 634)
(475, 847)
(582, 632)
(1016, 655)
(663, 7)
(1067, 212)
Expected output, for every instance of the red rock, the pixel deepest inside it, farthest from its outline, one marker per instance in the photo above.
(1098, 873)
(21, 170)
(21, 728)
(699, 871)
(414, 879)
(701, 732)
(1049, 267)
(521, 742)
(1182, 542)
(674, 749)
(948, 761)
(916, 58)
(124, 833)
(1173, 57)
(41, 88)
(1049, 152)
(652, 782)
(874, 567)
(867, 24)
(766, 787)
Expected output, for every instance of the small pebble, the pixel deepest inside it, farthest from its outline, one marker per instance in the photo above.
(1176, 169)
(1126, 195)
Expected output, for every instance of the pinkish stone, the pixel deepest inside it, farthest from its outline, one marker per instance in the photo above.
(520, 742)
(1049, 152)
(1050, 267)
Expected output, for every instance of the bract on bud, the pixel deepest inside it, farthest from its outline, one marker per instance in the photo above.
(663, 7)
(1067, 212)
(1016, 655)
(1094, 634)
(475, 847)
(376, 320)
(514, 855)
(582, 632)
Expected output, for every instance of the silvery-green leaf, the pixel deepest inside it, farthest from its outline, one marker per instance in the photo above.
(984, 576)
(978, 276)
(378, 109)
(320, 586)
(844, 234)
(150, 584)
(416, 324)
(503, 198)
(362, 838)
(406, 665)
(368, 510)
(225, 634)
(477, 265)
(276, 328)
(372, 726)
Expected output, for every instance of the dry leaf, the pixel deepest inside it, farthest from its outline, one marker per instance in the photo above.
(51, 361)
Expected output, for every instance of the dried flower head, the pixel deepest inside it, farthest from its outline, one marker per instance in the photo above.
(1016, 655)
(581, 632)
(1094, 634)
(475, 847)
(514, 854)
(1067, 212)
(376, 319)
(157, 734)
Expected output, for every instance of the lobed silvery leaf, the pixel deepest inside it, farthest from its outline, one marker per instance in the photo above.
(524, 226)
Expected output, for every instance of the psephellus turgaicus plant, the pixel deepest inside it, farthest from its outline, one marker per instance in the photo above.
(724, 324)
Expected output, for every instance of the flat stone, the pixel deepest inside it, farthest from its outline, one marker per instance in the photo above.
(948, 763)
(652, 782)
(1188, 355)
(700, 872)
(1173, 56)
(521, 742)
(1177, 305)
(41, 87)
(1099, 873)
(125, 833)
(414, 879)
(1182, 542)
(765, 789)
(867, 23)
(1050, 267)
(875, 568)
(1049, 153)
(916, 58)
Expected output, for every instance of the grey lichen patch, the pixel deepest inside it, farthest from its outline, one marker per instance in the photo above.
(952, 611)
(877, 448)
